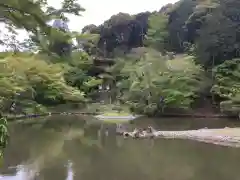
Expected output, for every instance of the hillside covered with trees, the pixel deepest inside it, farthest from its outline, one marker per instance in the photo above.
(183, 57)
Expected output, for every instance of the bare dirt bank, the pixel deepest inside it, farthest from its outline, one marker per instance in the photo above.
(224, 137)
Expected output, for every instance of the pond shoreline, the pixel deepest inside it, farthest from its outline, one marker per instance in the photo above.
(173, 115)
(224, 136)
(17, 117)
(213, 136)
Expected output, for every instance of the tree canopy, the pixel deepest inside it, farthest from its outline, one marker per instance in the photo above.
(206, 31)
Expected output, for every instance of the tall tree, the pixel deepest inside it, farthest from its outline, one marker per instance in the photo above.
(157, 33)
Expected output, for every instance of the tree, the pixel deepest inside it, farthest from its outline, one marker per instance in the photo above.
(176, 24)
(216, 40)
(157, 33)
(88, 42)
(78, 73)
(33, 16)
(30, 81)
(33, 84)
(227, 86)
(3, 135)
(154, 76)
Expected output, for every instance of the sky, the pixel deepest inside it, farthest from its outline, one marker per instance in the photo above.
(97, 11)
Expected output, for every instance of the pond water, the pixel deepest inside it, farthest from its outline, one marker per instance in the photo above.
(74, 148)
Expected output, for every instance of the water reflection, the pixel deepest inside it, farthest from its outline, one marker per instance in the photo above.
(23, 173)
(73, 148)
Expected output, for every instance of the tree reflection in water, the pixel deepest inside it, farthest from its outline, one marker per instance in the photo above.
(46, 151)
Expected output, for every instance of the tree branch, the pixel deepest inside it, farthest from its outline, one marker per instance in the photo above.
(39, 20)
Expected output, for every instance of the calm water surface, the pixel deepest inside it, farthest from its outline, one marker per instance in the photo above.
(76, 148)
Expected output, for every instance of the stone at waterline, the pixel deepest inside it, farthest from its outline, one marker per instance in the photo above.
(130, 117)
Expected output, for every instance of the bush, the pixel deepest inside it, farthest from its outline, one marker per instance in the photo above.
(28, 79)
(227, 86)
(154, 84)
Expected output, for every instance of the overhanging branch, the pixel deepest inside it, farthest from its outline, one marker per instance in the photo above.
(39, 20)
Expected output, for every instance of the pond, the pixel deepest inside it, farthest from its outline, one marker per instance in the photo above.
(76, 147)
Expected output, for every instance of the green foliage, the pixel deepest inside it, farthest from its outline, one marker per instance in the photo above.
(208, 30)
(88, 42)
(77, 75)
(216, 40)
(33, 16)
(3, 135)
(115, 20)
(178, 16)
(35, 82)
(157, 32)
(30, 79)
(227, 85)
(154, 76)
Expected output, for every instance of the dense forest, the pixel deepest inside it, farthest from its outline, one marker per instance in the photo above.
(184, 57)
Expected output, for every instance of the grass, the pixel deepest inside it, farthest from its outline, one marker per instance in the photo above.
(115, 113)
(115, 121)
(108, 109)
